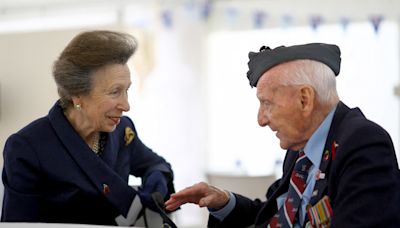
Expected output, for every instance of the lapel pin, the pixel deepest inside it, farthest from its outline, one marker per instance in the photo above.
(319, 175)
(326, 155)
(106, 189)
(334, 146)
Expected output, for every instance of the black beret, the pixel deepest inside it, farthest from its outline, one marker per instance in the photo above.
(260, 62)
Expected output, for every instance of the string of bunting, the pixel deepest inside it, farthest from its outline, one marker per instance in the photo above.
(259, 18)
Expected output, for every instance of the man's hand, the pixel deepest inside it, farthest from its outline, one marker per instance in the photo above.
(201, 194)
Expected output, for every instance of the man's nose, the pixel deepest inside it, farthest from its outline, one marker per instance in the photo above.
(263, 119)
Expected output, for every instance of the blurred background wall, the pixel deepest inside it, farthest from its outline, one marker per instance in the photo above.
(190, 97)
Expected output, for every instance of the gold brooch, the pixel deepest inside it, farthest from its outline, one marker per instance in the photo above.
(129, 135)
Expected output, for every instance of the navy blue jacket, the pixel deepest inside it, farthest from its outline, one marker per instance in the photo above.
(362, 179)
(51, 175)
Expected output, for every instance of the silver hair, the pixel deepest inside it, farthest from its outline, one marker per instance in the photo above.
(87, 52)
(315, 74)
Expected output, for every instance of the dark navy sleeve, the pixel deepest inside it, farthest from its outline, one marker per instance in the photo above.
(21, 179)
(144, 160)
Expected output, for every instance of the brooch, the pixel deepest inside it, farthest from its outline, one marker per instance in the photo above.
(129, 135)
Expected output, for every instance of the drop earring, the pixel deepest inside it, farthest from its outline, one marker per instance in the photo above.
(77, 106)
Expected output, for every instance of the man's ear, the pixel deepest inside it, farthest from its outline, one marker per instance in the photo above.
(307, 97)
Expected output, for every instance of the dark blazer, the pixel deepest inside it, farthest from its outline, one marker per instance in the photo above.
(51, 175)
(362, 178)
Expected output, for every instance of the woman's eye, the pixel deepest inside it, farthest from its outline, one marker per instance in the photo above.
(114, 92)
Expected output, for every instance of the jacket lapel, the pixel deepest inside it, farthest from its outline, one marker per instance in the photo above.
(102, 176)
(110, 153)
(321, 184)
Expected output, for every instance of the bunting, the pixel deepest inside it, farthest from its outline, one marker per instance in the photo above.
(376, 22)
(166, 16)
(231, 16)
(205, 9)
(344, 22)
(315, 21)
(258, 18)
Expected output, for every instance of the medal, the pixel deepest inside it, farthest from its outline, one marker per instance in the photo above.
(320, 214)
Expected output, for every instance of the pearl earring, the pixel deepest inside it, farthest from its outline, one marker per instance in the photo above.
(77, 106)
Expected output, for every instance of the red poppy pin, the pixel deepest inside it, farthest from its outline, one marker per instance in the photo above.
(326, 155)
(333, 149)
(106, 189)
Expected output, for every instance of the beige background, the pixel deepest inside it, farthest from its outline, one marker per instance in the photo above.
(27, 87)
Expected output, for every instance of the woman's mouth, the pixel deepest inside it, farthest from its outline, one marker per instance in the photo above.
(115, 120)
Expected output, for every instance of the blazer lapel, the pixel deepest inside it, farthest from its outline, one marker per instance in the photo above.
(321, 184)
(104, 179)
(110, 153)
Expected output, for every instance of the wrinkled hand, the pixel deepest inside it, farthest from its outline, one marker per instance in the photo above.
(201, 194)
(155, 182)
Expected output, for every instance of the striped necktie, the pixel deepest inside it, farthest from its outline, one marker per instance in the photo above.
(285, 217)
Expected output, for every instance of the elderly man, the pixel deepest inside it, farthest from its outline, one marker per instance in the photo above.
(340, 168)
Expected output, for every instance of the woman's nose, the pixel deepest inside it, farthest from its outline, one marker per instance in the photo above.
(124, 104)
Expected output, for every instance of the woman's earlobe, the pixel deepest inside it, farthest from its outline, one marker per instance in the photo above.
(76, 102)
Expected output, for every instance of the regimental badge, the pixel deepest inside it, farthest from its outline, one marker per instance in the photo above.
(320, 214)
(129, 135)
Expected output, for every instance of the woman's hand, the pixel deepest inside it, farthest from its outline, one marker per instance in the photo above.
(155, 182)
